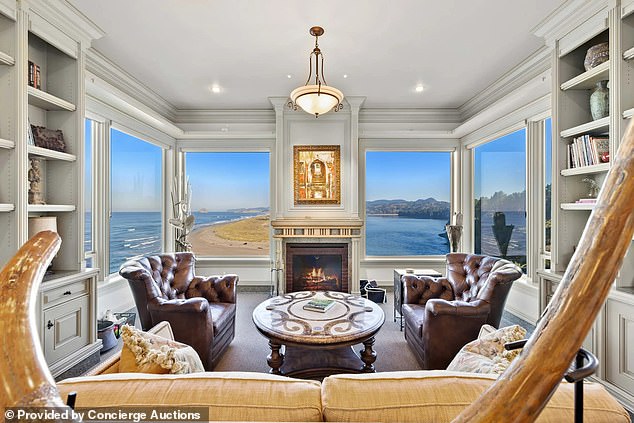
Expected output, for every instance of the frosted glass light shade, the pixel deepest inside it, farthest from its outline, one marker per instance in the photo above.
(42, 223)
(316, 100)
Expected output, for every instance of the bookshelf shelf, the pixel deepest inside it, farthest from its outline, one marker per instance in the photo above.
(6, 144)
(4, 207)
(48, 101)
(588, 79)
(586, 170)
(596, 126)
(628, 54)
(577, 206)
(43, 208)
(5, 59)
(45, 153)
(628, 113)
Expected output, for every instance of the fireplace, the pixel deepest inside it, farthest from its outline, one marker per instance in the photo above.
(316, 267)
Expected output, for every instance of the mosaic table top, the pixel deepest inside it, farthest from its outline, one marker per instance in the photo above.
(350, 318)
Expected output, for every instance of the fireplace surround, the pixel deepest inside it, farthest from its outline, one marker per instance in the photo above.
(316, 267)
(323, 234)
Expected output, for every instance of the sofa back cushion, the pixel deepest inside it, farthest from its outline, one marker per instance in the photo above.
(439, 396)
(230, 396)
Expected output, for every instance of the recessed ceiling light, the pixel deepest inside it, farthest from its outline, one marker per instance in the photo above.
(419, 88)
(345, 75)
(289, 76)
(215, 89)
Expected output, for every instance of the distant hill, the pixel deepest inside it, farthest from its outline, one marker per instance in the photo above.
(250, 210)
(428, 208)
(501, 201)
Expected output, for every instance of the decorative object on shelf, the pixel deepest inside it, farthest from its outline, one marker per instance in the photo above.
(183, 220)
(596, 55)
(600, 100)
(454, 232)
(318, 98)
(605, 157)
(36, 190)
(29, 134)
(35, 76)
(502, 232)
(49, 138)
(316, 174)
(593, 187)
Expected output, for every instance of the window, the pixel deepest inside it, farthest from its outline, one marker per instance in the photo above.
(136, 198)
(230, 203)
(88, 198)
(548, 179)
(407, 203)
(500, 198)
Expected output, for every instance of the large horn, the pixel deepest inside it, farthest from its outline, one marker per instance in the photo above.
(25, 378)
(523, 390)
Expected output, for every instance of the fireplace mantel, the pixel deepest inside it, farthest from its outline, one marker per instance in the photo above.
(317, 230)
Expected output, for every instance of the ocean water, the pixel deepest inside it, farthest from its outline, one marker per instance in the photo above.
(137, 234)
(403, 236)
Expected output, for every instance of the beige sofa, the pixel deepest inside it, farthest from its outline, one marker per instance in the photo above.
(413, 396)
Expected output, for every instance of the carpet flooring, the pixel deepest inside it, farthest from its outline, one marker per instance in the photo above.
(249, 349)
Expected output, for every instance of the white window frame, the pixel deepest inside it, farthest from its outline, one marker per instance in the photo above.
(237, 145)
(415, 146)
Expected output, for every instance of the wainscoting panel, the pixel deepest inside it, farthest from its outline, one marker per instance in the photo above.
(620, 345)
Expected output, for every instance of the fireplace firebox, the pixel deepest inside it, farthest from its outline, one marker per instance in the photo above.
(316, 267)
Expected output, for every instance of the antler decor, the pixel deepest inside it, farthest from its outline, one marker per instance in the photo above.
(523, 390)
(183, 220)
(24, 376)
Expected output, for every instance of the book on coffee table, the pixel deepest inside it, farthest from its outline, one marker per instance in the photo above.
(319, 305)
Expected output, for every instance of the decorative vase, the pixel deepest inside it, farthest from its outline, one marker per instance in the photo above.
(596, 55)
(600, 101)
(454, 233)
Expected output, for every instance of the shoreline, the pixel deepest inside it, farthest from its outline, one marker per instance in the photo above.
(206, 240)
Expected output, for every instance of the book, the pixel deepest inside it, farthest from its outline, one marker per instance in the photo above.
(319, 305)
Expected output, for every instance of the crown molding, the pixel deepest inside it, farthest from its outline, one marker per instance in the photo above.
(225, 116)
(536, 64)
(68, 19)
(105, 69)
(384, 115)
(567, 17)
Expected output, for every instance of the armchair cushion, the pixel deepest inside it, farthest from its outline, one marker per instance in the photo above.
(222, 314)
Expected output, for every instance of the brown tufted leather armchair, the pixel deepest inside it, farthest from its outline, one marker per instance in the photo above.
(201, 310)
(443, 314)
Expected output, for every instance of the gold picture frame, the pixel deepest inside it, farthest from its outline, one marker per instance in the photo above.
(316, 174)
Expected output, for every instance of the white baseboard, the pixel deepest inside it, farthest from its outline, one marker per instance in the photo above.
(523, 301)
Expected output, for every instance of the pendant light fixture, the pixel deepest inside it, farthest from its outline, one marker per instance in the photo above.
(318, 98)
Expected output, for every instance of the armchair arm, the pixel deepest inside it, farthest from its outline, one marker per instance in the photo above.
(214, 288)
(190, 305)
(458, 308)
(420, 289)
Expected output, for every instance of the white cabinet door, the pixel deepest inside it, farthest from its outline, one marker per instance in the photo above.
(620, 344)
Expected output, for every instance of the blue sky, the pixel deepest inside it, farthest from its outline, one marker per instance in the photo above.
(500, 165)
(407, 175)
(135, 173)
(222, 181)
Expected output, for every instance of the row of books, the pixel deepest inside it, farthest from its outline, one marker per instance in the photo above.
(35, 76)
(587, 151)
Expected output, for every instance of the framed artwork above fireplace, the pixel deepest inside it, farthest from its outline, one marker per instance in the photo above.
(316, 174)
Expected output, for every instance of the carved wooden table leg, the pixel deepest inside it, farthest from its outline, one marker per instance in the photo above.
(368, 356)
(275, 359)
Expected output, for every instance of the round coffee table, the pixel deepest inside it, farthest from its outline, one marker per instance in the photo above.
(318, 344)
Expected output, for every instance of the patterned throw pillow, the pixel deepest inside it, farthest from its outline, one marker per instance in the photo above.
(487, 353)
(144, 352)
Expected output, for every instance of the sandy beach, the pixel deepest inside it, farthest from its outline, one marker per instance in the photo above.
(246, 237)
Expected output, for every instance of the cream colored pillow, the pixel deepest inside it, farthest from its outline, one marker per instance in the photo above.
(144, 352)
(487, 353)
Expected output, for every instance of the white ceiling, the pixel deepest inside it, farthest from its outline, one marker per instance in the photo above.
(454, 48)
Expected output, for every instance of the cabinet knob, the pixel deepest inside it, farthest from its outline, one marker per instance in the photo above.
(67, 293)
(49, 325)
